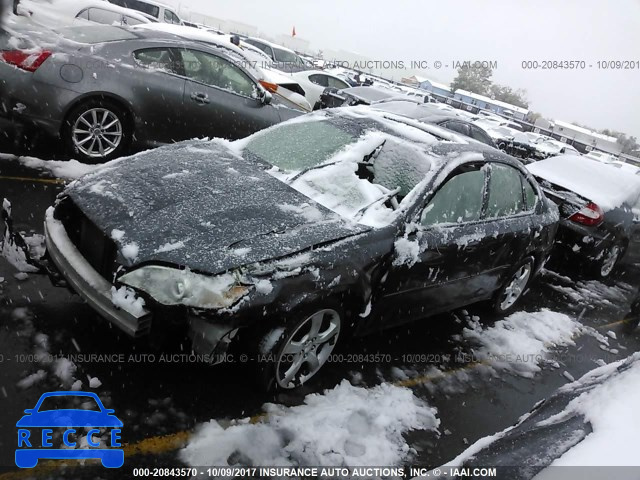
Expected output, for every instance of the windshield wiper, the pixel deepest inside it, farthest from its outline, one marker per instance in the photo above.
(366, 160)
(308, 169)
(385, 197)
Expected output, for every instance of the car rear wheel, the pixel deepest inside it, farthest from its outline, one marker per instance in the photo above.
(295, 353)
(610, 258)
(509, 295)
(97, 131)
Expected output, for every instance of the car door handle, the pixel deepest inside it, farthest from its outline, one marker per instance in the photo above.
(200, 97)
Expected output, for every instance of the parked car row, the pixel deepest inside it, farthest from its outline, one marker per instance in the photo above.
(98, 89)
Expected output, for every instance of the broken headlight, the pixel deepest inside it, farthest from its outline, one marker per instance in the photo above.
(170, 286)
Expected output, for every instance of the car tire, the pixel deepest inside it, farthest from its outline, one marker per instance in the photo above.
(506, 299)
(291, 354)
(606, 266)
(96, 131)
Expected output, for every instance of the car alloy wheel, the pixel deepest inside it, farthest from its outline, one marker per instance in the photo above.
(97, 132)
(610, 260)
(515, 286)
(307, 348)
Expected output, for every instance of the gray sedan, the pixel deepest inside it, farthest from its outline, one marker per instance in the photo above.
(104, 89)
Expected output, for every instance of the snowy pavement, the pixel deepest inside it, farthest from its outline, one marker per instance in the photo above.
(420, 394)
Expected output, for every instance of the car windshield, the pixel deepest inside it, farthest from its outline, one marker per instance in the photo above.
(363, 176)
(66, 402)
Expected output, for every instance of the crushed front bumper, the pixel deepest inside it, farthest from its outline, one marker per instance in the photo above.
(87, 282)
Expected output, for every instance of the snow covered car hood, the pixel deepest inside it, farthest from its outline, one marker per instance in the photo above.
(199, 204)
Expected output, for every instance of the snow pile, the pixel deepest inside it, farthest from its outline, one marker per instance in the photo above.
(612, 410)
(125, 298)
(69, 169)
(347, 425)
(130, 251)
(170, 246)
(407, 252)
(521, 341)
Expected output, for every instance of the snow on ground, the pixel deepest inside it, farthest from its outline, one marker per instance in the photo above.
(68, 169)
(608, 398)
(612, 409)
(589, 293)
(347, 425)
(521, 341)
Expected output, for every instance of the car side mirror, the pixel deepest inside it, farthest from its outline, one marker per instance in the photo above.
(266, 98)
(109, 411)
(29, 411)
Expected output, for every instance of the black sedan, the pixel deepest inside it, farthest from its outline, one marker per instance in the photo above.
(332, 224)
(103, 89)
(430, 113)
(600, 212)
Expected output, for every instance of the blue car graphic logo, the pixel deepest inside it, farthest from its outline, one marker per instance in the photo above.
(36, 431)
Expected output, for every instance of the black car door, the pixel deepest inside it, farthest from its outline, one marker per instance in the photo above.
(439, 264)
(510, 219)
(220, 99)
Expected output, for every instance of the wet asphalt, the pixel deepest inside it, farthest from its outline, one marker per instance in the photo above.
(159, 399)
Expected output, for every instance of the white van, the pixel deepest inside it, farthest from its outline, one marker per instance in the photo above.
(160, 11)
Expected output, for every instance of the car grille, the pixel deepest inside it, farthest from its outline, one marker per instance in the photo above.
(98, 249)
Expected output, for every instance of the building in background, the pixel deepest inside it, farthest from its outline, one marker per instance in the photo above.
(567, 132)
(486, 103)
(439, 90)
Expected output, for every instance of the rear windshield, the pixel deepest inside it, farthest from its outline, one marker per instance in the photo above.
(96, 34)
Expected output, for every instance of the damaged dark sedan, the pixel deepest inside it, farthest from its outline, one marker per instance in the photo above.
(334, 224)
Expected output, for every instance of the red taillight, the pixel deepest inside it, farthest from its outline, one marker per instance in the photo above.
(29, 61)
(590, 215)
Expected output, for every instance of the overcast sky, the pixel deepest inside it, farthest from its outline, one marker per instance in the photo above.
(502, 30)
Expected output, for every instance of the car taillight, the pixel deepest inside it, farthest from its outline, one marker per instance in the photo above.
(590, 215)
(29, 61)
(272, 87)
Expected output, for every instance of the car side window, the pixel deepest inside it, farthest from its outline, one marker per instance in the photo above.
(459, 200)
(319, 80)
(337, 83)
(458, 127)
(479, 135)
(127, 20)
(530, 197)
(170, 17)
(156, 59)
(217, 72)
(83, 14)
(505, 192)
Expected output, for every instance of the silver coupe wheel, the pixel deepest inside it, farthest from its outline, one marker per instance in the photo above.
(610, 260)
(514, 289)
(307, 349)
(97, 132)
